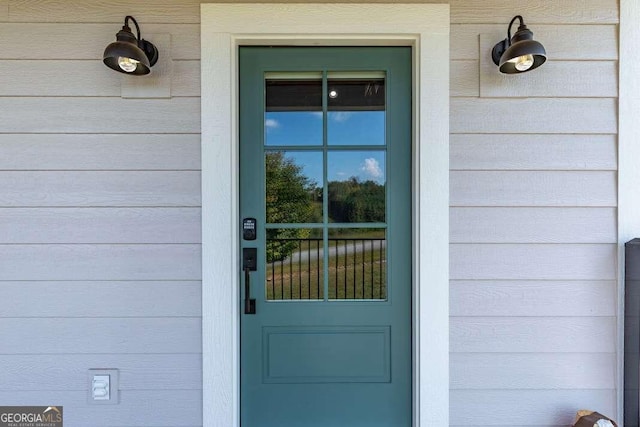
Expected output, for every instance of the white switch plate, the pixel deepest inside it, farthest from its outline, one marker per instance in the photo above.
(103, 387)
(100, 387)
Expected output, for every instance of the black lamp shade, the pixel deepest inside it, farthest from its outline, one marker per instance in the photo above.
(522, 48)
(139, 54)
(520, 54)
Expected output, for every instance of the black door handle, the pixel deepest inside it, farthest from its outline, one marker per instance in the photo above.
(249, 303)
(249, 264)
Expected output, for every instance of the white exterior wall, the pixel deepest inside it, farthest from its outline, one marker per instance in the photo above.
(533, 217)
(100, 214)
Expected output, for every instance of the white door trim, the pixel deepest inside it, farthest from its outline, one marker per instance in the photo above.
(628, 154)
(226, 26)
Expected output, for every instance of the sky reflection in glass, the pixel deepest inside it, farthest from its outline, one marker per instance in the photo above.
(356, 127)
(285, 128)
(362, 165)
(343, 165)
(310, 162)
(345, 128)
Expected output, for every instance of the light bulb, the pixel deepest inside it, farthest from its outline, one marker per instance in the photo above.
(523, 63)
(333, 94)
(127, 64)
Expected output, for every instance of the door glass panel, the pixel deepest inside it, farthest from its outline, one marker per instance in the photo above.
(337, 177)
(357, 264)
(356, 109)
(294, 258)
(293, 113)
(293, 190)
(357, 190)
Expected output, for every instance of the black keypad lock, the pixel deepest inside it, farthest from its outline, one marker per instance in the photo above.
(249, 229)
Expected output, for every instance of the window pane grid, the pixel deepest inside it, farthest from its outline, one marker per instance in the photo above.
(331, 244)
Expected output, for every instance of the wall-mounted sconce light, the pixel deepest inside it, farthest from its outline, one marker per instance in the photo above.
(520, 53)
(128, 54)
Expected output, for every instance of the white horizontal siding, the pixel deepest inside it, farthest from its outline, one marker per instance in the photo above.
(533, 334)
(464, 78)
(531, 115)
(186, 78)
(160, 408)
(60, 372)
(462, 11)
(537, 371)
(532, 298)
(90, 78)
(530, 407)
(51, 78)
(99, 188)
(533, 188)
(533, 262)
(38, 152)
(565, 39)
(100, 225)
(501, 11)
(100, 262)
(151, 298)
(533, 152)
(532, 225)
(533, 220)
(102, 115)
(88, 40)
(185, 11)
(185, 40)
(560, 79)
(94, 335)
(99, 216)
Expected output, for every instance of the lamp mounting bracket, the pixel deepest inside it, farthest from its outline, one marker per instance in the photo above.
(498, 50)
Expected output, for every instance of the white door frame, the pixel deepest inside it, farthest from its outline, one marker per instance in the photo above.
(628, 171)
(226, 26)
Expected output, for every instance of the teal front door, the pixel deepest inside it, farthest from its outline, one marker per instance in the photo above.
(325, 208)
